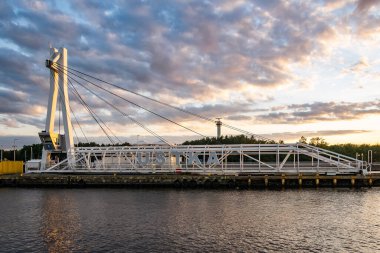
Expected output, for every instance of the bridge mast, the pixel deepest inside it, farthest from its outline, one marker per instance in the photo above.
(52, 141)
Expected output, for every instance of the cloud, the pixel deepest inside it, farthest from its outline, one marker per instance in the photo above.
(320, 111)
(365, 19)
(192, 53)
(365, 5)
(210, 111)
(9, 122)
(7, 141)
(171, 52)
(15, 102)
(361, 65)
(239, 117)
(310, 134)
(333, 5)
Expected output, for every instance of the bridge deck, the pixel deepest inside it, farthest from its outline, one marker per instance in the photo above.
(215, 159)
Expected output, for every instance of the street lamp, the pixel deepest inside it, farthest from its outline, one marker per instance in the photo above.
(14, 148)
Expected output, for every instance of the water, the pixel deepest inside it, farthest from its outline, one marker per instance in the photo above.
(147, 220)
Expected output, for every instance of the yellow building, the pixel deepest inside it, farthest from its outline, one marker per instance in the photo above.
(11, 167)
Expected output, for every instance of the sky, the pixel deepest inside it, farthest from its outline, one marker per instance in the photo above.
(281, 69)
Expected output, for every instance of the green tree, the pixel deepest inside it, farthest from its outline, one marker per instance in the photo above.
(303, 139)
(228, 139)
(318, 142)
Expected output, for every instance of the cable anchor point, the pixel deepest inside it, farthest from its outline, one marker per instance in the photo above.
(48, 64)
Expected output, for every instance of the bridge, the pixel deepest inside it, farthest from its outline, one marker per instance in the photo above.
(267, 157)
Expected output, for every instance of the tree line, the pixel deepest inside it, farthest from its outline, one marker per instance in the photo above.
(28, 152)
(348, 149)
(353, 150)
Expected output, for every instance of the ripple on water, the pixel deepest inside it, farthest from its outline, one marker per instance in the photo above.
(99, 220)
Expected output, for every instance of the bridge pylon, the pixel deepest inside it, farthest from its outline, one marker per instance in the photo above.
(52, 141)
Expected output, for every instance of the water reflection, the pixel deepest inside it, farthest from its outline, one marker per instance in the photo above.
(61, 226)
(146, 220)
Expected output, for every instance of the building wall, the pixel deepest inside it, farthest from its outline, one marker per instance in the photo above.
(11, 167)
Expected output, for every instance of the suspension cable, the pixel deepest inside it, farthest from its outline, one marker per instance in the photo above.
(76, 120)
(100, 119)
(92, 113)
(123, 113)
(77, 94)
(172, 106)
(59, 113)
(137, 105)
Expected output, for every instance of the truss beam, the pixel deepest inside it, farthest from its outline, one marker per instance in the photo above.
(214, 159)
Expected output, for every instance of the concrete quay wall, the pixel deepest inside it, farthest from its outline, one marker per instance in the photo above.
(189, 181)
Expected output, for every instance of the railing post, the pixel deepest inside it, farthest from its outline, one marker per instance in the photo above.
(298, 159)
(338, 163)
(241, 158)
(318, 161)
(370, 159)
(259, 158)
(222, 158)
(278, 157)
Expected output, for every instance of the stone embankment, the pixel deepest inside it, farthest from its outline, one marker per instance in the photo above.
(189, 181)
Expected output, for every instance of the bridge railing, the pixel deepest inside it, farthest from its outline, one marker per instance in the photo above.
(225, 159)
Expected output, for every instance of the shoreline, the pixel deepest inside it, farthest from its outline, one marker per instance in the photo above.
(189, 181)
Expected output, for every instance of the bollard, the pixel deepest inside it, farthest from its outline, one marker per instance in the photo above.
(370, 182)
(334, 182)
(266, 181)
(300, 180)
(352, 181)
(283, 180)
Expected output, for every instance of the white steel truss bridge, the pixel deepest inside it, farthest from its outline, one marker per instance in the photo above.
(266, 158)
(212, 159)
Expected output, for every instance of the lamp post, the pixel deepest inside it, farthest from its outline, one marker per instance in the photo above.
(1, 153)
(14, 148)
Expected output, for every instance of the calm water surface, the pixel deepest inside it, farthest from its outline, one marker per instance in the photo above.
(147, 220)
